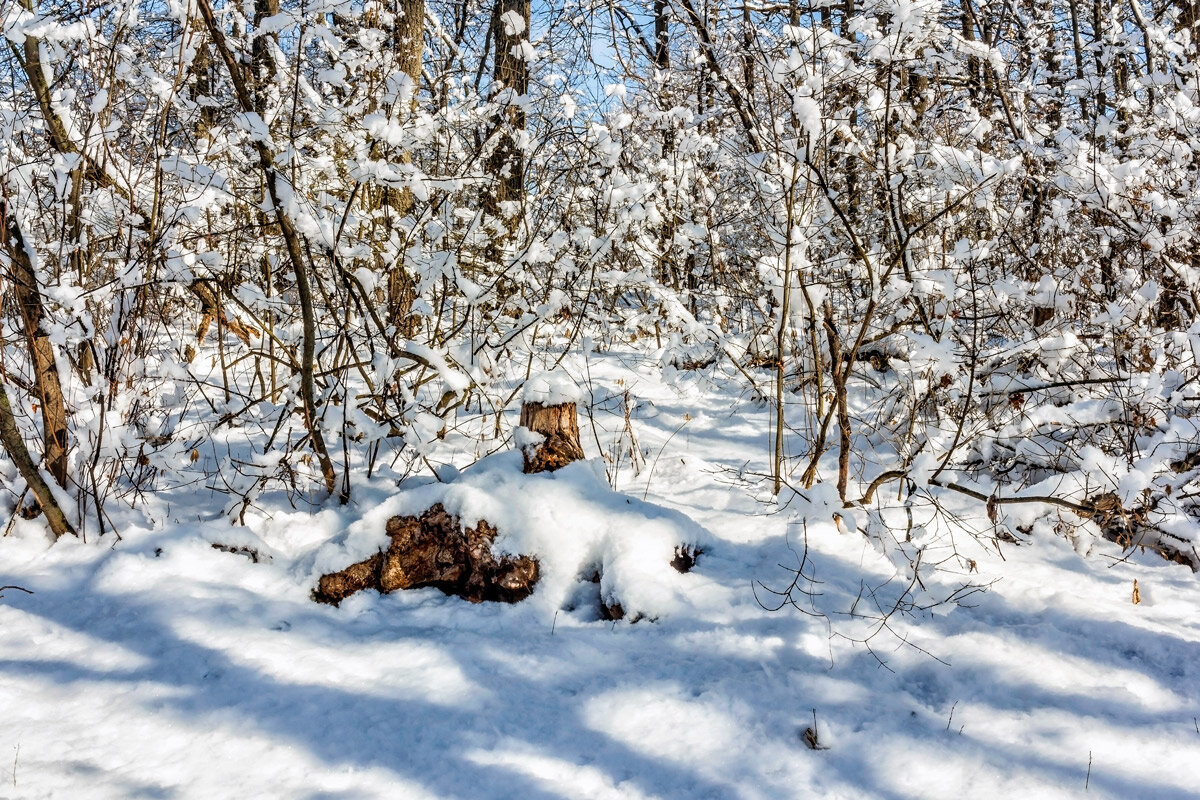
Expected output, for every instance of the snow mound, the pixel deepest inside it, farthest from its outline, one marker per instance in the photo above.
(550, 389)
(570, 520)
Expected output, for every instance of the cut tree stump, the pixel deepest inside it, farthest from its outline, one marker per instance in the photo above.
(435, 550)
(559, 429)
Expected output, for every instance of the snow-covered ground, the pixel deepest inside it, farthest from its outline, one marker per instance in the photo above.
(159, 667)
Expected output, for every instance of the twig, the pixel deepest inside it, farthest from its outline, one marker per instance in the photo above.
(1088, 779)
(18, 588)
(811, 739)
(1085, 509)
(12, 519)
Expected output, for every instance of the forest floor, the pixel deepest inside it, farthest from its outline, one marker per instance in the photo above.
(156, 666)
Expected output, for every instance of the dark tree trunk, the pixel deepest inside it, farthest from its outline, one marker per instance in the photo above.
(667, 273)
(202, 67)
(511, 72)
(408, 44)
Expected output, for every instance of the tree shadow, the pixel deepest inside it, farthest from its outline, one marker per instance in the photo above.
(552, 705)
(421, 741)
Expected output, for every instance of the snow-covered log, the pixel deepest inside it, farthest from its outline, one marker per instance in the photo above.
(435, 549)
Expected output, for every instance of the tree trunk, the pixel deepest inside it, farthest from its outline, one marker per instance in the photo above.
(262, 59)
(748, 37)
(667, 273)
(408, 44)
(510, 26)
(203, 85)
(10, 437)
(291, 237)
(41, 349)
(559, 427)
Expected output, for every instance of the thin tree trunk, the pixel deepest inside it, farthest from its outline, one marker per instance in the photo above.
(202, 72)
(667, 273)
(291, 238)
(785, 310)
(263, 70)
(1077, 41)
(840, 367)
(747, 52)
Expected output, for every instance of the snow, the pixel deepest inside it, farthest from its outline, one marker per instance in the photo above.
(550, 389)
(158, 666)
(513, 22)
(570, 520)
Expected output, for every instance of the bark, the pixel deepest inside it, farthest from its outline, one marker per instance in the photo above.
(510, 72)
(10, 437)
(667, 273)
(1077, 41)
(974, 67)
(781, 337)
(434, 549)
(840, 369)
(36, 73)
(203, 87)
(559, 427)
(662, 48)
(408, 44)
(262, 58)
(41, 350)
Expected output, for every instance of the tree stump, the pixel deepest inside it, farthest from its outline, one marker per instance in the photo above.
(558, 445)
(435, 549)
